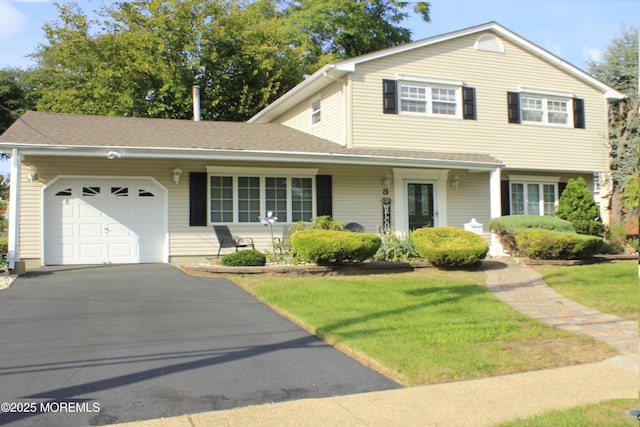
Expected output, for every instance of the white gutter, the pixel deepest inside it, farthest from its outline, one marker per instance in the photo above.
(252, 155)
(14, 203)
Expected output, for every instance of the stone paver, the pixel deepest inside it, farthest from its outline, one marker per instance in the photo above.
(524, 289)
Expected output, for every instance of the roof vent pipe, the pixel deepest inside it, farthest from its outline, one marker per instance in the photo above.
(196, 103)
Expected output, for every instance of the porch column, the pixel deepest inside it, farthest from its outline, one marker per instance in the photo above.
(495, 197)
(14, 201)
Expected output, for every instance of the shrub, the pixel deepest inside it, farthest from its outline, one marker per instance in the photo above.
(544, 244)
(397, 248)
(577, 206)
(248, 258)
(506, 227)
(333, 247)
(324, 222)
(450, 246)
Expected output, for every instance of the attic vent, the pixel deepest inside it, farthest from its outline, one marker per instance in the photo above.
(489, 43)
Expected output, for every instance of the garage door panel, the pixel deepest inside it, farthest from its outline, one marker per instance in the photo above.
(105, 220)
(90, 231)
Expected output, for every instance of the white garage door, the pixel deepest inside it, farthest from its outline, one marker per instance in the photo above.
(105, 220)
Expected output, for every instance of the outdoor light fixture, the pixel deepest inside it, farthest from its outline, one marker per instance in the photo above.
(454, 181)
(33, 174)
(177, 173)
(387, 180)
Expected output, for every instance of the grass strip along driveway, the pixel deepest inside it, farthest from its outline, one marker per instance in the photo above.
(423, 327)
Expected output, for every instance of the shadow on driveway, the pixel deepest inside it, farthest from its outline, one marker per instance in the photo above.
(146, 341)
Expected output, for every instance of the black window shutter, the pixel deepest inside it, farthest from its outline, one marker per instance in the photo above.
(513, 104)
(324, 198)
(389, 97)
(468, 103)
(561, 187)
(578, 113)
(197, 198)
(505, 198)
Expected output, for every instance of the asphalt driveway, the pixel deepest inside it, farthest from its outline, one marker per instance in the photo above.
(93, 345)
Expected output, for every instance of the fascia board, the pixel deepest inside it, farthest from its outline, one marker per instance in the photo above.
(253, 155)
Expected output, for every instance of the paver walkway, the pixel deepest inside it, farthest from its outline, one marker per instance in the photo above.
(524, 289)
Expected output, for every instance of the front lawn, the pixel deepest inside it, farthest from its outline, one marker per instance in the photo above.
(609, 413)
(424, 327)
(610, 287)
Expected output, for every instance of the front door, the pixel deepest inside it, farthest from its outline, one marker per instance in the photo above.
(420, 198)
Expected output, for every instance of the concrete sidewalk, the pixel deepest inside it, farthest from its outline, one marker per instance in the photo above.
(481, 402)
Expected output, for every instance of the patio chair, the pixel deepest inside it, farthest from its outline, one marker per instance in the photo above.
(354, 227)
(227, 240)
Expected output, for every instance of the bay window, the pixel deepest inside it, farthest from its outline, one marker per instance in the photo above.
(245, 198)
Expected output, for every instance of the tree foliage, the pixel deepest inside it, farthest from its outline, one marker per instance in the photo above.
(619, 69)
(577, 206)
(142, 58)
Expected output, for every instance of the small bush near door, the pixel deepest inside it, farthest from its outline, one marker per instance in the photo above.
(248, 258)
(325, 247)
(450, 246)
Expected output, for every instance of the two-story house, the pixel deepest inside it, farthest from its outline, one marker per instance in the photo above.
(477, 123)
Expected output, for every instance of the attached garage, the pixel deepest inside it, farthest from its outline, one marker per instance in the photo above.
(119, 220)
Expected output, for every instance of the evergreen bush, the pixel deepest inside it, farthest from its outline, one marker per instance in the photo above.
(507, 227)
(545, 244)
(325, 247)
(247, 258)
(450, 246)
(578, 206)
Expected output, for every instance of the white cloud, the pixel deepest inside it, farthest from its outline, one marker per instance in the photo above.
(12, 21)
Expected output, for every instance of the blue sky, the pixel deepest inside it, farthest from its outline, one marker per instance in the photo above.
(570, 29)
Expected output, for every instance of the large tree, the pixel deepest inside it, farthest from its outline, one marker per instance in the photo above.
(142, 58)
(618, 67)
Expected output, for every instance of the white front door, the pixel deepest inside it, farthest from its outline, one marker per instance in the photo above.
(104, 220)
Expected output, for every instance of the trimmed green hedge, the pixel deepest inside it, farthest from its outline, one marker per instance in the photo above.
(507, 227)
(450, 246)
(546, 244)
(247, 258)
(325, 247)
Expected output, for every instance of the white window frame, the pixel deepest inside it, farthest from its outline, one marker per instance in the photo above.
(315, 114)
(546, 97)
(540, 181)
(429, 87)
(262, 174)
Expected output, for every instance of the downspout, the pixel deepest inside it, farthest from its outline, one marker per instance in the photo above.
(14, 202)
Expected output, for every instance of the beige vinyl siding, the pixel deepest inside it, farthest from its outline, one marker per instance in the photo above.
(492, 75)
(469, 200)
(333, 118)
(357, 195)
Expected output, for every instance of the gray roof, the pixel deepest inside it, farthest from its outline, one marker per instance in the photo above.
(53, 130)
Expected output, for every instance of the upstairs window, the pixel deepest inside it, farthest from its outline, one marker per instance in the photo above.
(545, 109)
(315, 112)
(417, 98)
(432, 99)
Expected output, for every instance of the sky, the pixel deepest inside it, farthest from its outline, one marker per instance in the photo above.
(571, 29)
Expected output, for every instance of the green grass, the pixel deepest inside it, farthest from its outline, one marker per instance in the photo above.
(605, 414)
(611, 287)
(423, 327)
